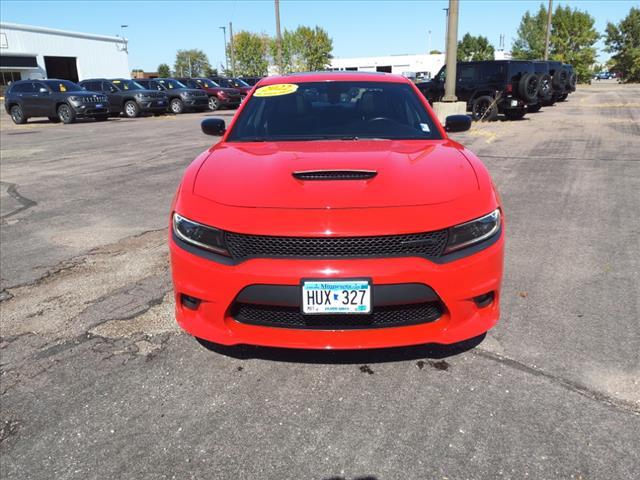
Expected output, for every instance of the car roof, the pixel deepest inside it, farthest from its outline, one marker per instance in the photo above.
(342, 76)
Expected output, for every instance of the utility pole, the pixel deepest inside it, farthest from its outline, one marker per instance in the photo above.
(429, 51)
(190, 71)
(452, 51)
(233, 58)
(226, 58)
(546, 39)
(278, 37)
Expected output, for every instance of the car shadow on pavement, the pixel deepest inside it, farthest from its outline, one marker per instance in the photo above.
(370, 356)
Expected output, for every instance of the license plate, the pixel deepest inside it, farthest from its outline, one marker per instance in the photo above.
(98, 105)
(328, 296)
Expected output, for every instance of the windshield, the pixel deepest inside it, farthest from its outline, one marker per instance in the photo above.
(205, 82)
(64, 86)
(127, 85)
(239, 83)
(225, 82)
(171, 84)
(333, 110)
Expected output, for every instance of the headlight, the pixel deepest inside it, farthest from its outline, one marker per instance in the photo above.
(472, 232)
(185, 94)
(74, 99)
(199, 235)
(142, 96)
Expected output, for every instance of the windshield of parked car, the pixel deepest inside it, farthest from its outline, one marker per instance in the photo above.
(127, 85)
(64, 86)
(171, 84)
(225, 82)
(334, 110)
(239, 83)
(205, 82)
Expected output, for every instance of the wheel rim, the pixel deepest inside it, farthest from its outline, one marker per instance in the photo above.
(64, 113)
(482, 108)
(16, 114)
(175, 106)
(213, 103)
(130, 109)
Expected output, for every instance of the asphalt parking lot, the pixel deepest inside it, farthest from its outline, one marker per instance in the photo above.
(98, 382)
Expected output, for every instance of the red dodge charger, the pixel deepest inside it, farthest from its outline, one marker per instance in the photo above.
(335, 213)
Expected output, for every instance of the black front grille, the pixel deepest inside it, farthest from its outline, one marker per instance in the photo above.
(381, 317)
(335, 175)
(429, 244)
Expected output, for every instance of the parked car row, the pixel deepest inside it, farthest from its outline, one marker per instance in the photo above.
(100, 98)
(508, 87)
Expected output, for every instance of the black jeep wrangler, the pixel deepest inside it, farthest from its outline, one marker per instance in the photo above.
(490, 87)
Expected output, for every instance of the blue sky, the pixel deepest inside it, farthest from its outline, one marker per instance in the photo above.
(157, 28)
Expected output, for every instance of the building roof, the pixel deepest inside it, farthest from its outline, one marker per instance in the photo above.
(65, 33)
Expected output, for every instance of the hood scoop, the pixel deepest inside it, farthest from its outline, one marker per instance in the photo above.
(335, 174)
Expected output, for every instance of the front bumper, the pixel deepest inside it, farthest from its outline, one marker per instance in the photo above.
(159, 105)
(91, 109)
(196, 102)
(456, 283)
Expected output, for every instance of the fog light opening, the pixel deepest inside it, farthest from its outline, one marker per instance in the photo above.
(192, 303)
(484, 300)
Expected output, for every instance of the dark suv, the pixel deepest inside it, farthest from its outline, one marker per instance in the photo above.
(59, 100)
(218, 96)
(236, 83)
(489, 87)
(128, 97)
(181, 98)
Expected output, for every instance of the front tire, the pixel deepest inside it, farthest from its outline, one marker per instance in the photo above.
(66, 114)
(484, 109)
(214, 104)
(176, 106)
(131, 109)
(17, 115)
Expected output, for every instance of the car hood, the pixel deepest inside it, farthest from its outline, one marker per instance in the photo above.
(408, 173)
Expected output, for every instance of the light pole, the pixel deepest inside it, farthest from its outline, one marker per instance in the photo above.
(226, 59)
(429, 51)
(546, 38)
(278, 37)
(452, 51)
(125, 47)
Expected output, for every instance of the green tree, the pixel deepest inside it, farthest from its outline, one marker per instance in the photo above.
(623, 40)
(304, 49)
(572, 38)
(472, 48)
(210, 71)
(529, 44)
(191, 63)
(435, 52)
(164, 70)
(249, 54)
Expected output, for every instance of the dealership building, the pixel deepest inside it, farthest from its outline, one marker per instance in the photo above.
(420, 66)
(29, 52)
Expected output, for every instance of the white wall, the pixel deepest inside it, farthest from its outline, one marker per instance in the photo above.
(399, 63)
(96, 56)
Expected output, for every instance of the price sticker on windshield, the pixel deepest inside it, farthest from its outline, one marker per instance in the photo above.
(276, 90)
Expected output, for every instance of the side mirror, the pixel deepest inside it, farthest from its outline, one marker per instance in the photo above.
(43, 90)
(213, 126)
(457, 123)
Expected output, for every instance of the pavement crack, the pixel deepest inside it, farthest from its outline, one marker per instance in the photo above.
(25, 203)
(565, 383)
